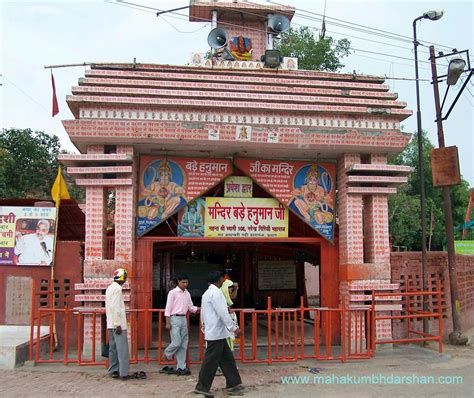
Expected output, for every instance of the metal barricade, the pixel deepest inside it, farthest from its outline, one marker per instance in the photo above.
(411, 314)
(267, 336)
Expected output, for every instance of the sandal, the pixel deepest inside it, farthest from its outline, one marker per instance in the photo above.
(314, 370)
(135, 375)
(141, 374)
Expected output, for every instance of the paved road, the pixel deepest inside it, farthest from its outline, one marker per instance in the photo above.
(412, 366)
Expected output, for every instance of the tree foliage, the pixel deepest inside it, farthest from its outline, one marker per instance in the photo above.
(313, 53)
(404, 207)
(29, 165)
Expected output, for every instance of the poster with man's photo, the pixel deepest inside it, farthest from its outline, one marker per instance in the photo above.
(27, 235)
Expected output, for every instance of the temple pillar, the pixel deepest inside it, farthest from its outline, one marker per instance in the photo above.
(364, 242)
(351, 250)
(124, 217)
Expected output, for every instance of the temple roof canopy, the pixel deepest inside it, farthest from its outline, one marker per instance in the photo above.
(201, 109)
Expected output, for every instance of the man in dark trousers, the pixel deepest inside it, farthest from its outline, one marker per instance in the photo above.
(218, 326)
(117, 327)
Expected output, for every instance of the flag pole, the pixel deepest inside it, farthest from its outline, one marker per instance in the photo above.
(58, 191)
(53, 284)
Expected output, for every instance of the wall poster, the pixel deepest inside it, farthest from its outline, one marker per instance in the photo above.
(27, 235)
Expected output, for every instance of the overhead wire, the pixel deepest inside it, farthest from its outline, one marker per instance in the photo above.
(180, 16)
(137, 7)
(379, 32)
(26, 94)
(320, 20)
(397, 36)
(339, 33)
(179, 30)
(152, 10)
(344, 24)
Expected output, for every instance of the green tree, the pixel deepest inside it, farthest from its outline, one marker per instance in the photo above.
(29, 165)
(313, 53)
(405, 228)
(404, 208)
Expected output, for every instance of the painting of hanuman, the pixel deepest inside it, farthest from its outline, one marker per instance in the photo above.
(162, 195)
(241, 48)
(312, 201)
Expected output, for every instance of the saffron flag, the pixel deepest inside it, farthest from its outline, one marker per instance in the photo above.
(55, 99)
(59, 189)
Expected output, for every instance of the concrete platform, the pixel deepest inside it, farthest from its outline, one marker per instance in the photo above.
(14, 344)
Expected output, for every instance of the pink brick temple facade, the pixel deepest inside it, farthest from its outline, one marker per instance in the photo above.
(124, 112)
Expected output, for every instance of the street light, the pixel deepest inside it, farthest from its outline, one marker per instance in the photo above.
(455, 69)
(433, 16)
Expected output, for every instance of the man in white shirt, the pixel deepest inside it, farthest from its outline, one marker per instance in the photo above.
(119, 357)
(218, 326)
(35, 248)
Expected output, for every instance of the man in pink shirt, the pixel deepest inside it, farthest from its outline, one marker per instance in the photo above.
(178, 304)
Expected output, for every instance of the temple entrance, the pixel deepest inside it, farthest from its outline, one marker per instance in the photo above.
(297, 264)
(285, 271)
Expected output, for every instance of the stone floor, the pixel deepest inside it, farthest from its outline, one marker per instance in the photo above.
(262, 380)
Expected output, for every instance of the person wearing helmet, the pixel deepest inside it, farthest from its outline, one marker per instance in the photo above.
(119, 357)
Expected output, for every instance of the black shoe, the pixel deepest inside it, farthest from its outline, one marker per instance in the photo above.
(206, 394)
(237, 390)
(114, 375)
(183, 372)
(167, 370)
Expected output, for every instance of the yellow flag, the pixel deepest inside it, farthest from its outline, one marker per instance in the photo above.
(59, 189)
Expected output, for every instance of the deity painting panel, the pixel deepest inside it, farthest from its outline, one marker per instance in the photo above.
(191, 219)
(162, 193)
(241, 48)
(312, 198)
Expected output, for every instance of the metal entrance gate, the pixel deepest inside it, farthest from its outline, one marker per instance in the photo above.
(268, 336)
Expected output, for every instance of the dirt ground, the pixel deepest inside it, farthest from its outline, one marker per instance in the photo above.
(455, 364)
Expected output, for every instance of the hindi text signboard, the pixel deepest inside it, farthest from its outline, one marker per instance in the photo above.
(238, 187)
(245, 218)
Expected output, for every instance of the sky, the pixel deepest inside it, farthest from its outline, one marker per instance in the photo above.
(59, 32)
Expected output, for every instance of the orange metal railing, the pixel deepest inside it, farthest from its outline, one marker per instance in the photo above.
(409, 315)
(268, 336)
